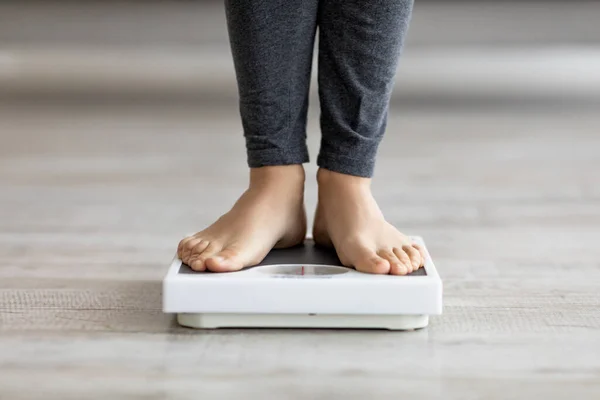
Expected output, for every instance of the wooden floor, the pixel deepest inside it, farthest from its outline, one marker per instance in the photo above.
(93, 200)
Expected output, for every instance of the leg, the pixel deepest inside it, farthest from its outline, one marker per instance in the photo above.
(272, 45)
(360, 45)
(359, 48)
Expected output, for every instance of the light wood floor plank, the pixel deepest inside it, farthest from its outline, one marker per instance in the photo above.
(94, 199)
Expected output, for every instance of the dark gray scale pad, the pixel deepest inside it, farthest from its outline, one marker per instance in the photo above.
(307, 253)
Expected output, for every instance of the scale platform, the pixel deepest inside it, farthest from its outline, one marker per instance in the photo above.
(302, 287)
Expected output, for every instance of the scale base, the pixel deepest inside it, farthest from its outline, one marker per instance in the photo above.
(345, 321)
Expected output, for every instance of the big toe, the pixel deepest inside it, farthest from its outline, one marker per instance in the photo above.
(368, 261)
(227, 260)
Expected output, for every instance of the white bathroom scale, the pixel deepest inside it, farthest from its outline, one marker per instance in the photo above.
(302, 287)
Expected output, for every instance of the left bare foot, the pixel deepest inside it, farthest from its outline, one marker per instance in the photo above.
(349, 219)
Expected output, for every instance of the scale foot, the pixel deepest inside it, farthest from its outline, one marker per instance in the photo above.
(339, 321)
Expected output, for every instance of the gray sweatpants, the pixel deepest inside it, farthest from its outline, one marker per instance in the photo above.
(272, 43)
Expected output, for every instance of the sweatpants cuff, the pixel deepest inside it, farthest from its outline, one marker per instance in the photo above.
(272, 157)
(356, 166)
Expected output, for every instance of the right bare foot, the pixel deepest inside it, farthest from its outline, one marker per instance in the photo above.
(270, 214)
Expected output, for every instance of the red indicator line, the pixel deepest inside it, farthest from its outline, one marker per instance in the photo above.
(303, 270)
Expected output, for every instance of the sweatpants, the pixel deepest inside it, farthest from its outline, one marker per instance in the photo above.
(359, 46)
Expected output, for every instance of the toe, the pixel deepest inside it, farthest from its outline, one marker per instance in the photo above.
(187, 248)
(404, 259)
(182, 245)
(396, 266)
(199, 248)
(421, 251)
(198, 264)
(197, 261)
(398, 269)
(198, 256)
(369, 262)
(227, 260)
(414, 255)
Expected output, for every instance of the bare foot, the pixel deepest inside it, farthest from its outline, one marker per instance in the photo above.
(349, 219)
(269, 214)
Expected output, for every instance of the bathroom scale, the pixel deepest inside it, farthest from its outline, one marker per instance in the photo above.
(305, 286)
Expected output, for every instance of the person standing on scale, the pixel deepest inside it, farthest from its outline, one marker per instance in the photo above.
(272, 41)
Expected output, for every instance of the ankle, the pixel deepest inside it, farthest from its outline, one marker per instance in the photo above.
(284, 177)
(335, 180)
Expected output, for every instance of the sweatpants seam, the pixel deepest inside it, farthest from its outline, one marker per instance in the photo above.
(290, 83)
(290, 150)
